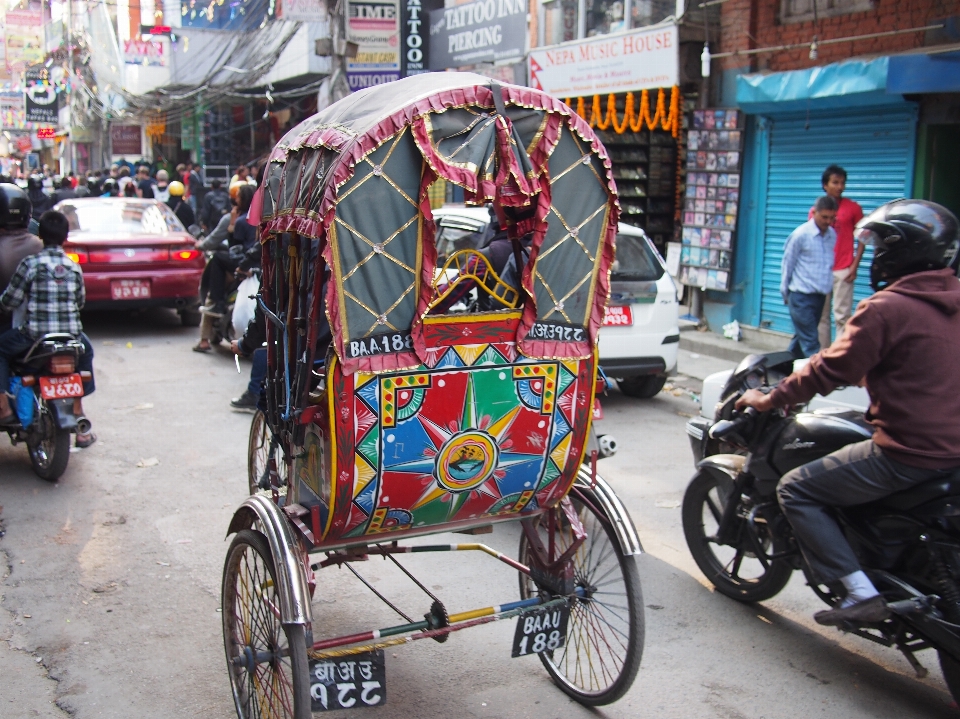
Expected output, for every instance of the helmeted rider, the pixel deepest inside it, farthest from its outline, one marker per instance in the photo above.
(903, 343)
(15, 241)
(180, 207)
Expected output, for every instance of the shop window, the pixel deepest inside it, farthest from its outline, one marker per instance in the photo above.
(803, 10)
(560, 21)
(650, 12)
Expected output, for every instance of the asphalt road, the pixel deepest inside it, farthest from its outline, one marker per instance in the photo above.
(110, 587)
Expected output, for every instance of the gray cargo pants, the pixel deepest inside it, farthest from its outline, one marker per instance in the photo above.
(855, 474)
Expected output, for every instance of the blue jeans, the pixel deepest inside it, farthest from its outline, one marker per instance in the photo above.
(258, 372)
(805, 311)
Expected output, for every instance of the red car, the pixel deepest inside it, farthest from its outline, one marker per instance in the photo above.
(134, 253)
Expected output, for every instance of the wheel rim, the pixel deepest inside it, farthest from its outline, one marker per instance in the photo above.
(738, 563)
(42, 451)
(599, 631)
(259, 455)
(258, 657)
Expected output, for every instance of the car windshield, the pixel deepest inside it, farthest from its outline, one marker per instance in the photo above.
(636, 260)
(455, 233)
(120, 218)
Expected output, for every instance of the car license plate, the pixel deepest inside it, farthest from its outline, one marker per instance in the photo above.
(130, 289)
(69, 385)
(618, 317)
(597, 408)
(351, 682)
(543, 630)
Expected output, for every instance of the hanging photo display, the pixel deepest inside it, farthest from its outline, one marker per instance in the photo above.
(712, 197)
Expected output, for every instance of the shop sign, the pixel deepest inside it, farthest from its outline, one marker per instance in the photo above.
(375, 26)
(635, 60)
(144, 52)
(24, 143)
(23, 37)
(125, 140)
(475, 32)
(13, 116)
(302, 10)
(42, 100)
(415, 35)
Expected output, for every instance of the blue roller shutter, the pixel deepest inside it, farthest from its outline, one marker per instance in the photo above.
(876, 148)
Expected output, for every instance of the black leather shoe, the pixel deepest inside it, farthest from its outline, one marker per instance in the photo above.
(869, 611)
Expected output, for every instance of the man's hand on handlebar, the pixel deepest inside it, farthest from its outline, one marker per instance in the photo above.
(756, 399)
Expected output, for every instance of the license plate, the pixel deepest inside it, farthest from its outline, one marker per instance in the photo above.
(618, 317)
(130, 289)
(353, 682)
(69, 385)
(597, 408)
(541, 631)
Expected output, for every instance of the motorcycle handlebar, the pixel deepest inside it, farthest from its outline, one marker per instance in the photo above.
(727, 427)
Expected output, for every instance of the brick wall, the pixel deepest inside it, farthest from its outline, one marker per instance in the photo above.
(741, 19)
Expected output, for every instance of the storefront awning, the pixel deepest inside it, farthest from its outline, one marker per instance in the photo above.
(839, 85)
(920, 73)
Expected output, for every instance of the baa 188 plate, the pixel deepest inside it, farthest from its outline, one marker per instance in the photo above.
(541, 631)
(351, 682)
(618, 316)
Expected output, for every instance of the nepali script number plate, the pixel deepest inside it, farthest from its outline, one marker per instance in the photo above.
(70, 385)
(130, 289)
(618, 317)
(351, 682)
(541, 631)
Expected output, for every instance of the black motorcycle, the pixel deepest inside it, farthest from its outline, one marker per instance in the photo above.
(907, 543)
(49, 382)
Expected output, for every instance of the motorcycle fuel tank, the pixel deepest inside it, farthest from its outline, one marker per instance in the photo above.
(813, 435)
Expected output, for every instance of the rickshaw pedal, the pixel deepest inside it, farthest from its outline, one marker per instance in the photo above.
(485, 529)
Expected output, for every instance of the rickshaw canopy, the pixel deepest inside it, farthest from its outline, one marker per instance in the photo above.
(354, 178)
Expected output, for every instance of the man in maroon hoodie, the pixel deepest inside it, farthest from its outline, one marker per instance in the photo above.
(903, 343)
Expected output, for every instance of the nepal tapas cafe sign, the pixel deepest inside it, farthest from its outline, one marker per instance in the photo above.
(635, 60)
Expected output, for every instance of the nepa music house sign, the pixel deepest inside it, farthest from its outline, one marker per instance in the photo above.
(481, 31)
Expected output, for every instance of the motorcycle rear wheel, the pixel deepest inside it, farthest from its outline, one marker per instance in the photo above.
(733, 569)
(49, 446)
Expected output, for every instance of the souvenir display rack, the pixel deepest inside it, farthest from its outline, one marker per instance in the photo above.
(711, 199)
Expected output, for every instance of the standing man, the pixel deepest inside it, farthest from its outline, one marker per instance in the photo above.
(846, 257)
(807, 275)
(195, 188)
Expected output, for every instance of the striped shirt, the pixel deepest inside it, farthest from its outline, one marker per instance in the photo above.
(51, 284)
(807, 264)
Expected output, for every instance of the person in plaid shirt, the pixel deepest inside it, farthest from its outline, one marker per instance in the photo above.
(50, 287)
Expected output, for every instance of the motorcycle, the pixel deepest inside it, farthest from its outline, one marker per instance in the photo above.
(908, 543)
(45, 385)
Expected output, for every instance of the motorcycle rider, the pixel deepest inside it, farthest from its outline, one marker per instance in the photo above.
(15, 241)
(50, 285)
(902, 342)
(180, 207)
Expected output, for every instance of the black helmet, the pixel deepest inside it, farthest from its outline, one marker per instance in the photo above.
(909, 236)
(15, 207)
(110, 187)
(35, 182)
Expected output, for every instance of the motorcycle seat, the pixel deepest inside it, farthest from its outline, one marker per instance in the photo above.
(946, 486)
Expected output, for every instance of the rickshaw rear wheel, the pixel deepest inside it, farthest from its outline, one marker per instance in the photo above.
(605, 634)
(258, 454)
(266, 659)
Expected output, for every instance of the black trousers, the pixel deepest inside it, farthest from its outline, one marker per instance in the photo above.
(221, 264)
(855, 474)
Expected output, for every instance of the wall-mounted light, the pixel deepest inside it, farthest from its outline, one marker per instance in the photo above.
(814, 46)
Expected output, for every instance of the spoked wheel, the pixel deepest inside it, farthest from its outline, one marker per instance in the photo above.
(258, 454)
(266, 660)
(732, 568)
(600, 659)
(49, 446)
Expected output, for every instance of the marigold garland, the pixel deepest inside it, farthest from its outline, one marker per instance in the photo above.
(633, 120)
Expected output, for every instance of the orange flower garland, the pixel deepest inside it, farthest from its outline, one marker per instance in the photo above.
(633, 120)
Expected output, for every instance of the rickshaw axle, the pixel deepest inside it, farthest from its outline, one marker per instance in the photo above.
(423, 630)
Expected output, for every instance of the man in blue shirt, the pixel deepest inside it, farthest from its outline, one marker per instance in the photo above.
(807, 275)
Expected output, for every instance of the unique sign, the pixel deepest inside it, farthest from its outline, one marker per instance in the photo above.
(635, 60)
(475, 32)
(302, 10)
(125, 139)
(350, 682)
(375, 26)
(544, 630)
(41, 99)
(415, 35)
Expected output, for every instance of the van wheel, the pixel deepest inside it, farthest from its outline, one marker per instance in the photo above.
(644, 387)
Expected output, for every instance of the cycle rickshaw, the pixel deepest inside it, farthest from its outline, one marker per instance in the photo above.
(415, 421)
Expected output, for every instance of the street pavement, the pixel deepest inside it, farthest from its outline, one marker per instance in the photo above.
(111, 576)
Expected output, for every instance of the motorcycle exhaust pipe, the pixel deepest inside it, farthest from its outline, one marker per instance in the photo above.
(608, 445)
(84, 425)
